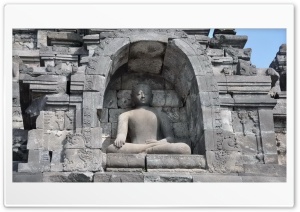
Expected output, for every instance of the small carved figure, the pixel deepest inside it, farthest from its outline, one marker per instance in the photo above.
(149, 130)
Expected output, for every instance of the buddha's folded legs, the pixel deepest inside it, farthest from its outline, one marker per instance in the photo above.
(131, 148)
(170, 148)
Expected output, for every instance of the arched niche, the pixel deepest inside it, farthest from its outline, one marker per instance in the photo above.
(176, 63)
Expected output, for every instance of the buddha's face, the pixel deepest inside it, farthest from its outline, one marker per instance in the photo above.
(142, 95)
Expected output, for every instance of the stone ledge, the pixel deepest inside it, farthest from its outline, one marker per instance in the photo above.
(156, 161)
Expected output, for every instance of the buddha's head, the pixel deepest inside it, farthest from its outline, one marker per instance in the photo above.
(141, 95)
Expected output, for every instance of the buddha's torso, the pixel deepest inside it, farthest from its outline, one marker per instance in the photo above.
(143, 124)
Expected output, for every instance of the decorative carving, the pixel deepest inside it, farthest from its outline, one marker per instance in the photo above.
(75, 140)
(243, 116)
(87, 117)
(60, 119)
(88, 82)
(87, 133)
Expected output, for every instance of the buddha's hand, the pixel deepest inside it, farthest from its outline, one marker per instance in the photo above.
(119, 142)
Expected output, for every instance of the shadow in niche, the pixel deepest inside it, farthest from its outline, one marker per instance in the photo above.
(117, 99)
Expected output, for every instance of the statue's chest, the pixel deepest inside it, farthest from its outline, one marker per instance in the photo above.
(144, 119)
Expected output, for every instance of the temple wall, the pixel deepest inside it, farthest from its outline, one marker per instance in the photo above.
(70, 85)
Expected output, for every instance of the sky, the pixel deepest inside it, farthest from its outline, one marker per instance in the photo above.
(264, 43)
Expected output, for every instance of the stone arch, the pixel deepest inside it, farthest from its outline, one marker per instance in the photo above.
(185, 65)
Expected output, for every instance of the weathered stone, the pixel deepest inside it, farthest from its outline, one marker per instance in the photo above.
(216, 178)
(94, 83)
(114, 114)
(27, 177)
(268, 142)
(223, 40)
(175, 161)
(89, 118)
(124, 99)
(246, 68)
(215, 52)
(145, 65)
(140, 170)
(125, 160)
(167, 177)
(92, 100)
(106, 130)
(103, 115)
(64, 39)
(38, 161)
(266, 121)
(99, 66)
(224, 31)
(82, 160)
(35, 139)
(244, 54)
(271, 158)
(266, 170)
(114, 129)
(70, 120)
(110, 99)
(61, 177)
(131, 79)
(181, 130)
(92, 137)
(249, 179)
(119, 177)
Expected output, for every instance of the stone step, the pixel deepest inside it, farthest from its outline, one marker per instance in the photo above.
(272, 170)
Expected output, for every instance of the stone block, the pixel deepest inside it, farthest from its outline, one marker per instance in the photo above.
(125, 160)
(27, 177)
(266, 170)
(244, 54)
(92, 100)
(181, 130)
(257, 179)
(172, 99)
(131, 79)
(145, 65)
(110, 99)
(35, 139)
(93, 137)
(94, 83)
(54, 140)
(89, 118)
(223, 40)
(266, 120)
(268, 140)
(271, 158)
(105, 143)
(156, 161)
(119, 177)
(215, 52)
(246, 68)
(100, 65)
(38, 161)
(207, 84)
(61, 177)
(167, 177)
(159, 98)
(103, 115)
(223, 161)
(114, 114)
(215, 178)
(124, 99)
(49, 120)
(247, 143)
(140, 170)
(83, 160)
(106, 130)
(17, 114)
(172, 113)
(114, 129)
(70, 120)
(112, 46)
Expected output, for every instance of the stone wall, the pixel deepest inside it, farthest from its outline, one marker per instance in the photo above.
(70, 85)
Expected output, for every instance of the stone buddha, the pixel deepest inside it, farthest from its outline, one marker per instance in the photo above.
(149, 129)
